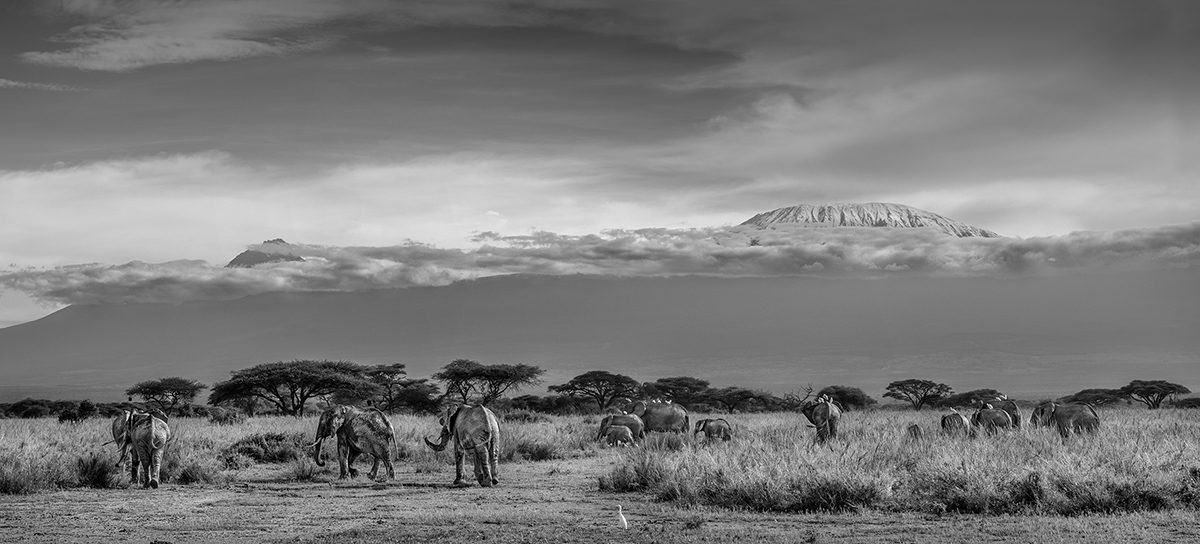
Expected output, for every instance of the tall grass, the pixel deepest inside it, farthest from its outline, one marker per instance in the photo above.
(1140, 460)
(44, 454)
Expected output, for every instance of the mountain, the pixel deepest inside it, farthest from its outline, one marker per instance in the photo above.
(872, 214)
(1031, 336)
(271, 251)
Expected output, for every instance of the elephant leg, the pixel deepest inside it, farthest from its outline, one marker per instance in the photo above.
(483, 472)
(143, 468)
(493, 458)
(374, 467)
(133, 467)
(387, 463)
(343, 452)
(155, 467)
(351, 457)
(458, 465)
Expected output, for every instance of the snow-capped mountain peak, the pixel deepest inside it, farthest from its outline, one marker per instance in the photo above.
(871, 214)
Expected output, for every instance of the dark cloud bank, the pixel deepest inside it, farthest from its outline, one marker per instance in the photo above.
(718, 252)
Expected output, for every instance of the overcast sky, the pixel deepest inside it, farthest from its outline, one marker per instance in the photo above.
(144, 130)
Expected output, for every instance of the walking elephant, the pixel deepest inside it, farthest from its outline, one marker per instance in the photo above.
(358, 432)
(991, 419)
(475, 430)
(121, 437)
(619, 435)
(955, 424)
(661, 416)
(147, 436)
(824, 415)
(1067, 418)
(637, 428)
(714, 428)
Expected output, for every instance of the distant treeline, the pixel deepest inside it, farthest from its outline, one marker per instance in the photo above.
(304, 386)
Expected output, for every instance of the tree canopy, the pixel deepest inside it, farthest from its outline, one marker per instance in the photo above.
(917, 392)
(736, 398)
(601, 386)
(169, 395)
(289, 385)
(1096, 397)
(472, 381)
(1152, 393)
(848, 397)
(975, 397)
(684, 390)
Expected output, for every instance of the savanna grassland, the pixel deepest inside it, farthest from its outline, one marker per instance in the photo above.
(1138, 479)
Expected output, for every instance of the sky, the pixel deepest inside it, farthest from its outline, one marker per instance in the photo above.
(144, 143)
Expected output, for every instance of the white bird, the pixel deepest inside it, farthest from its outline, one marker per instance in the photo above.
(621, 516)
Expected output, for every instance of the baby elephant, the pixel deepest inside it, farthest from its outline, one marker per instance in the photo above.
(713, 428)
(619, 436)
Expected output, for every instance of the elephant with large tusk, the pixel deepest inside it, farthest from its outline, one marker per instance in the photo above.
(824, 415)
(475, 430)
(637, 428)
(147, 435)
(358, 432)
(714, 428)
(1067, 418)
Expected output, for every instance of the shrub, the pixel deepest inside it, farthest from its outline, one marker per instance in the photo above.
(97, 471)
(304, 469)
(525, 416)
(269, 447)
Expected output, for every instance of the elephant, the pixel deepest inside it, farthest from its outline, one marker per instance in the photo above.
(121, 437)
(914, 433)
(148, 435)
(614, 411)
(1014, 411)
(476, 430)
(714, 428)
(637, 427)
(619, 435)
(661, 416)
(1067, 418)
(358, 432)
(824, 415)
(990, 419)
(955, 424)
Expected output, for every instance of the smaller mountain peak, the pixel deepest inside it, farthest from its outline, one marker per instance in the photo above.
(279, 241)
(276, 251)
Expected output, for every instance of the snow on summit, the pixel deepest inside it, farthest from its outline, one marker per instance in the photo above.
(872, 214)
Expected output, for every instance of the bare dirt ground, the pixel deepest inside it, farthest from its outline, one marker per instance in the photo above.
(555, 501)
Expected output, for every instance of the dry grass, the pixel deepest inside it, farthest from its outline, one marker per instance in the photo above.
(1140, 461)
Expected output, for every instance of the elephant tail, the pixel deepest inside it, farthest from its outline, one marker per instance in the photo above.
(686, 424)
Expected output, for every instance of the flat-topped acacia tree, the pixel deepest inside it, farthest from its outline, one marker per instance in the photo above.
(917, 392)
(472, 381)
(289, 385)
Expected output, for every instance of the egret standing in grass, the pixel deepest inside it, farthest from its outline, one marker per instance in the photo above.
(621, 516)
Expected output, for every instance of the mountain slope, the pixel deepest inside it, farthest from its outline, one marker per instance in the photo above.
(873, 214)
(1054, 334)
(271, 251)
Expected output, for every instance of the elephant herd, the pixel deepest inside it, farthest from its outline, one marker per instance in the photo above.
(1005, 414)
(142, 436)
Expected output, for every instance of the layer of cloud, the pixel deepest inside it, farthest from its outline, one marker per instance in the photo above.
(28, 85)
(725, 252)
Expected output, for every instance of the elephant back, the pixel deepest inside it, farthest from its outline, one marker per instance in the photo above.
(662, 417)
(475, 426)
(636, 426)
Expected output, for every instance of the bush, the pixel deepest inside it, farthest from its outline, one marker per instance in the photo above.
(97, 471)
(304, 469)
(269, 447)
(537, 451)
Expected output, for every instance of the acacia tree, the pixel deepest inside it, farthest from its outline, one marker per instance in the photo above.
(683, 389)
(733, 398)
(599, 385)
(289, 385)
(848, 397)
(468, 379)
(975, 397)
(169, 395)
(917, 392)
(1152, 393)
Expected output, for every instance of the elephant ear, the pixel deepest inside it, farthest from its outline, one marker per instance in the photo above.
(338, 419)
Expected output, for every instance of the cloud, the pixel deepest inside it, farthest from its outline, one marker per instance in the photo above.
(54, 87)
(721, 252)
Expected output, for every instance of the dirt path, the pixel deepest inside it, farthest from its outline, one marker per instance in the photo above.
(554, 501)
